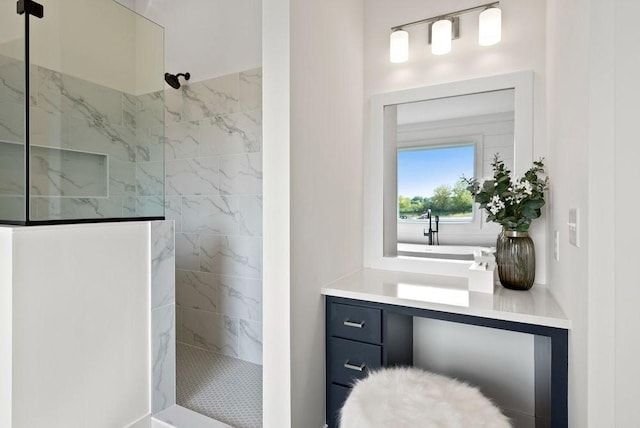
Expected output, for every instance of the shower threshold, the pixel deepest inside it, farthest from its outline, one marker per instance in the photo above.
(177, 417)
(180, 417)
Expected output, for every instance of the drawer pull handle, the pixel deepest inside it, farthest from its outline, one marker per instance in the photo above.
(353, 324)
(359, 368)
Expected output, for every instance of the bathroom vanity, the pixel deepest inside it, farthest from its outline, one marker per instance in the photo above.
(370, 321)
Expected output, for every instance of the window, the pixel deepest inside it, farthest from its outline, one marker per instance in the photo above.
(429, 181)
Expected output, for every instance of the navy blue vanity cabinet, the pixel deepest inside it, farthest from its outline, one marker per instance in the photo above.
(363, 335)
(360, 338)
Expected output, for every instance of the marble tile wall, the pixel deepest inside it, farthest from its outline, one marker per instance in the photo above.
(104, 148)
(163, 311)
(214, 194)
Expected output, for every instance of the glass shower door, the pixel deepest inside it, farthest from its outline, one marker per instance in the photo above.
(12, 118)
(97, 125)
(95, 116)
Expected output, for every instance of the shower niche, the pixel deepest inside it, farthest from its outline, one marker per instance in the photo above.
(81, 118)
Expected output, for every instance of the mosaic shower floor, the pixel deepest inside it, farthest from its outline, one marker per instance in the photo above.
(220, 387)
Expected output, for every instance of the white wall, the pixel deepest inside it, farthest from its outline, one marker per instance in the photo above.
(207, 38)
(276, 144)
(568, 111)
(80, 325)
(326, 180)
(627, 236)
(601, 341)
(6, 325)
(312, 122)
(596, 171)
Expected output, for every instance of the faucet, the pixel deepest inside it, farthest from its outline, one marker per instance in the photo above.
(431, 233)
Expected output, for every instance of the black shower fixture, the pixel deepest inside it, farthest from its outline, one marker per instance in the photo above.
(173, 81)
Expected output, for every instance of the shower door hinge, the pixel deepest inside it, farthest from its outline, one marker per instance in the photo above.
(30, 7)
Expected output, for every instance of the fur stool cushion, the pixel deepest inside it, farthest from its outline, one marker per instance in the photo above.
(412, 398)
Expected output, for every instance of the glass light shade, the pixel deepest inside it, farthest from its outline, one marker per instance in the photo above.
(441, 37)
(490, 27)
(399, 46)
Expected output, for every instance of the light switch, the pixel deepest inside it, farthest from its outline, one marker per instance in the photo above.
(574, 224)
(556, 245)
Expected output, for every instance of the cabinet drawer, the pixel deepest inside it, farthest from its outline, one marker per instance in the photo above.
(356, 322)
(351, 360)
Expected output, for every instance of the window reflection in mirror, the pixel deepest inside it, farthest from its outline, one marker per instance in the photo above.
(429, 183)
(436, 143)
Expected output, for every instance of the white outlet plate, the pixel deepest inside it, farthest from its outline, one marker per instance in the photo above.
(556, 245)
(574, 227)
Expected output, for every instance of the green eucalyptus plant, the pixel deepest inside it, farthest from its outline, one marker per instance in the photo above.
(511, 203)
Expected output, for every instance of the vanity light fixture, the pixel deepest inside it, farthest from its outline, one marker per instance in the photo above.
(444, 28)
(490, 26)
(399, 46)
(441, 37)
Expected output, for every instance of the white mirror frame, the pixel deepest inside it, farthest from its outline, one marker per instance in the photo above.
(374, 162)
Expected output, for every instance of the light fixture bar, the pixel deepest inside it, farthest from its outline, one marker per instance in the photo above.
(445, 16)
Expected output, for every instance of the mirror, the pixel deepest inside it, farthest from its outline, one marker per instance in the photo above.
(437, 142)
(423, 140)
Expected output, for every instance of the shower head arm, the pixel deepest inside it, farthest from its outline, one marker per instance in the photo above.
(173, 79)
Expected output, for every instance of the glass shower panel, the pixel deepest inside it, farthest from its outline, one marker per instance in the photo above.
(97, 113)
(12, 112)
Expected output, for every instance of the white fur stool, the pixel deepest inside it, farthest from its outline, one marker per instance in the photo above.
(413, 398)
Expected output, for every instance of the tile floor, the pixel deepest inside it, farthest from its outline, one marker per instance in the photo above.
(220, 387)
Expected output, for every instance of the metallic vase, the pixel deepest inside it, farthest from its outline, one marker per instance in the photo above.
(516, 259)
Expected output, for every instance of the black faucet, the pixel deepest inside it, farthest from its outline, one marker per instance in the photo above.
(431, 233)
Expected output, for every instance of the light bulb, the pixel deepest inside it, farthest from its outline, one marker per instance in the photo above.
(441, 37)
(399, 46)
(490, 27)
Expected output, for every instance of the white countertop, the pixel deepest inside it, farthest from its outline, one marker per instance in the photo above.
(450, 294)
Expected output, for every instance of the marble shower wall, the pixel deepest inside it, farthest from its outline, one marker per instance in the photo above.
(163, 314)
(96, 152)
(213, 150)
